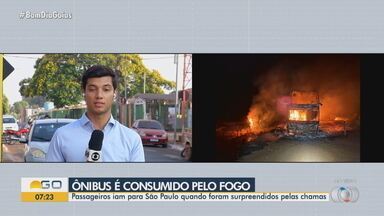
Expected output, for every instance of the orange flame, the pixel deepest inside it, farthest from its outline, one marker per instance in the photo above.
(341, 119)
(297, 115)
(250, 122)
(253, 123)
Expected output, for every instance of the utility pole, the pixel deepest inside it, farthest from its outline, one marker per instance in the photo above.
(187, 79)
(5, 70)
(125, 81)
(125, 88)
(176, 96)
(144, 81)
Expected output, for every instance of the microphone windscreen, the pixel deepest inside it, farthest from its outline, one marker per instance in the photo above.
(96, 140)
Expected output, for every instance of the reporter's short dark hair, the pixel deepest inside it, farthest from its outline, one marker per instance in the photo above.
(98, 71)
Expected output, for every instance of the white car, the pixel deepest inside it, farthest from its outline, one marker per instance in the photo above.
(10, 123)
(40, 136)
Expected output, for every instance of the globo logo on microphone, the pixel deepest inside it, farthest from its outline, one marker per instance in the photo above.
(93, 153)
(95, 156)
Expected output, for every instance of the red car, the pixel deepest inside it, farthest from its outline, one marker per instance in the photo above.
(151, 132)
(22, 131)
(19, 133)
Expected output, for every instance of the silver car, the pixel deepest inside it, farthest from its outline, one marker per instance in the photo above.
(40, 136)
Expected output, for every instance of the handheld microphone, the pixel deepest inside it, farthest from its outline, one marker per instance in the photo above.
(93, 153)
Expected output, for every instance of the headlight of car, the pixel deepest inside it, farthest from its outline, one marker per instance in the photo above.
(141, 133)
(37, 153)
(164, 135)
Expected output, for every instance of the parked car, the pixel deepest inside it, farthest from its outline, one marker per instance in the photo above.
(40, 136)
(10, 123)
(151, 132)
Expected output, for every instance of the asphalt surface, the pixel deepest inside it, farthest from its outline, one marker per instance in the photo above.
(330, 149)
(159, 154)
(14, 153)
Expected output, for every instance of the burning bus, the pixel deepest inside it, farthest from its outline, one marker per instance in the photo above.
(304, 113)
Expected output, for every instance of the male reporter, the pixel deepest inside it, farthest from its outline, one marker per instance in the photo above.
(72, 142)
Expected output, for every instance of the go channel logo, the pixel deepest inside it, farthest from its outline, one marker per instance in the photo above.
(44, 184)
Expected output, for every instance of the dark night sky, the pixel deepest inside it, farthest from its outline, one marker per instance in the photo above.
(232, 83)
(234, 88)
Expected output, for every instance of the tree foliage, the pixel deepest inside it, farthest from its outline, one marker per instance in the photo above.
(58, 76)
(6, 108)
(23, 87)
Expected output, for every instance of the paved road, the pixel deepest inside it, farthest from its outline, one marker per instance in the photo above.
(158, 154)
(335, 149)
(15, 153)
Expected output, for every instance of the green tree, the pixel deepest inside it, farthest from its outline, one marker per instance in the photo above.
(58, 76)
(6, 108)
(24, 90)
